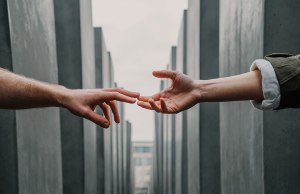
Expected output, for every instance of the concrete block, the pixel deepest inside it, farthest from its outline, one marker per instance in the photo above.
(241, 126)
(69, 59)
(120, 128)
(172, 135)
(8, 139)
(103, 144)
(129, 165)
(257, 149)
(203, 63)
(181, 118)
(88, 81)
(193, 114)
(281, 129)
(33, 47)
(103, 135)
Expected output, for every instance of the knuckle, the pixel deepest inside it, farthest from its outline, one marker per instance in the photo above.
(85, 112)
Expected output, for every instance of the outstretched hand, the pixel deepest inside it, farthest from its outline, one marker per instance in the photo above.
(181, 95)
(83, 103)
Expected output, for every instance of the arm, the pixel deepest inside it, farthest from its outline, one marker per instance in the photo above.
(18, 92)
(185, 92)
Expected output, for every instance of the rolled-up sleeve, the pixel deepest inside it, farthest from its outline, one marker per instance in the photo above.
(270, 85)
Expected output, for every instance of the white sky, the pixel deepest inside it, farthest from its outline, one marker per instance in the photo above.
(139, 34)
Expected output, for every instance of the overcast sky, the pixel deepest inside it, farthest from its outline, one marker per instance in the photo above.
(139, 34)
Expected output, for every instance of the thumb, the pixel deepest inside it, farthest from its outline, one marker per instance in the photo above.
(165, 74)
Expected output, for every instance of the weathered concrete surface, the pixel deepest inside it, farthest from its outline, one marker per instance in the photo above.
(88, 81)
(159, 148)
(68, 36)
(100, 62)
(181, 119)
(33, 46)
(209, 112)
(165, 131)
(120, 148)
(281, 129)
(128, 179)
(259, 142)
(8, 138)
(156, 148)
(193, 114)
(172, 133)
(241, 126)
(103, 78)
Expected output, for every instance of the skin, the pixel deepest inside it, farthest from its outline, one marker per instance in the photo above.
(18, 92)
(185, 92)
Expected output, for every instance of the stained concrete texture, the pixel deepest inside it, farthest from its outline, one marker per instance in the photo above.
(172, 133)
(281, 129)
(208, 61)
(181, 122)
(69, 59)
(88, 81)
(159, 150)
(193, 114)
(257, 150)
(120, 148)
(33, 47)
(8, 139)
(129, 166)
(103, 77)
(100, 63)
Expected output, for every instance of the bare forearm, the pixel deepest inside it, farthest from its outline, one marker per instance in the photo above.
(246, 86)
(18, 92)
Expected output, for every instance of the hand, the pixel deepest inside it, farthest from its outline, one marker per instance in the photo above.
(181, 95)
(83, 103)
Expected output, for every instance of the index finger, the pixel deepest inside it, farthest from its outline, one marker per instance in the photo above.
(119, 97)
(124, 92)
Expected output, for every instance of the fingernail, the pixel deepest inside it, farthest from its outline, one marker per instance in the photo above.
(106, 124)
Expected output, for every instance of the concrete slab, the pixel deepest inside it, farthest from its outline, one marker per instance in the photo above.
(281, 129)
(88, 81)
(8, 130)
(209, 112)
(33, 46)
(68, 34)
(129, 165)
(241, 126)
(103, 135)
(193, 114)
(181, 119)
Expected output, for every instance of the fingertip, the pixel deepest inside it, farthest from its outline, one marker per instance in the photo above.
(143, 98)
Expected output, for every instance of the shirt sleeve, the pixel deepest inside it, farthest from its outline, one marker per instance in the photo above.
(270, 85)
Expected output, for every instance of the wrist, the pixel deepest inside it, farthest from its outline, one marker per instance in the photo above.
(202, 88)
(61, 96)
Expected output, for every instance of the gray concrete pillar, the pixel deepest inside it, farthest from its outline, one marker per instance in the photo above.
(203, 123)
(103, 77)
(103, 143)
(88, 81)
(159, 149)
(193, 114)
(129, 165)
(258, 149)
(33, 47)
(156, 154)
(69, 59)
(8, 131)
(172, 135)
(120, 128)
(181, 118)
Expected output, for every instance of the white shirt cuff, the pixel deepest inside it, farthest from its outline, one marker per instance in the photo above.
(270, 85)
